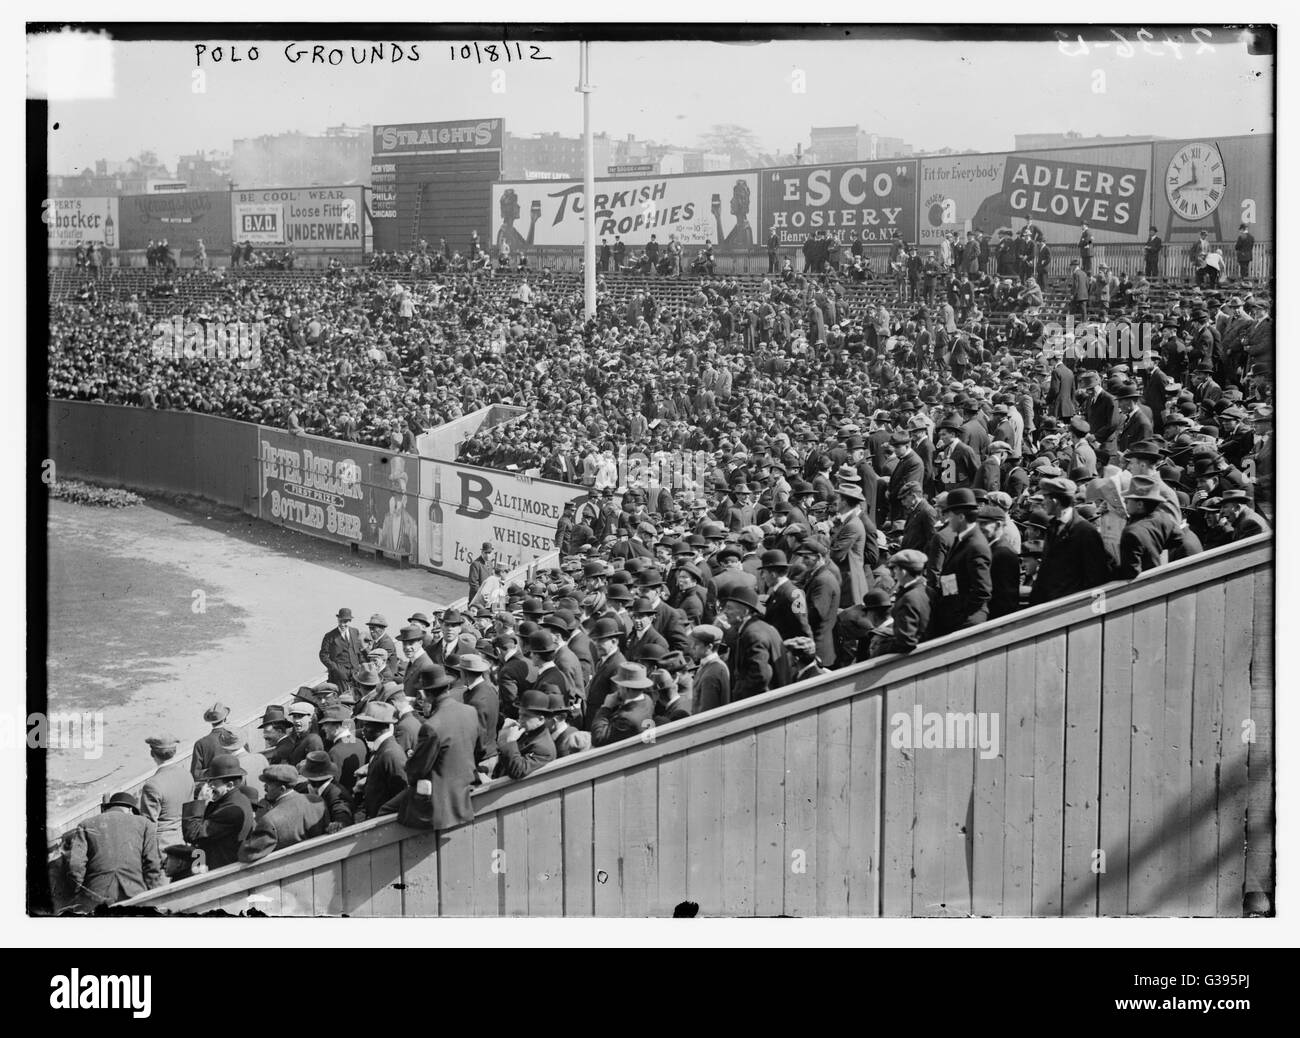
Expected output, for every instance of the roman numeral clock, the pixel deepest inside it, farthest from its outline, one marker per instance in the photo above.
(1195, 182)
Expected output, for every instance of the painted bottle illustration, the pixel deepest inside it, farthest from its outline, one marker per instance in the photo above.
(110, 232)
(435, 520)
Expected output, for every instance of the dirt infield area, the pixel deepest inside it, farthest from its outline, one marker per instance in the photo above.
(175, 605)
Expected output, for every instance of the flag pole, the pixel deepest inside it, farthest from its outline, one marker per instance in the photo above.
(588, 184)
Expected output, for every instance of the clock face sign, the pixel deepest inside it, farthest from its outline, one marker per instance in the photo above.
(1195, 181)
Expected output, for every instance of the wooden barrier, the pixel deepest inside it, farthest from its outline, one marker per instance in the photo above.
(1120, 787)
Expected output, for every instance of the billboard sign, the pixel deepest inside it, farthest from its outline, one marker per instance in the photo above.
(721, 208)
(1106, 187)
(71, 221)
(339, 491)
(464, 506)
(851, 201)
(181, 218)
(430, 138)
(302, 217)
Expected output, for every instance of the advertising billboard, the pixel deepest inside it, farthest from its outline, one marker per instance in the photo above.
(339, 491)
(1108, 187)
(430, 138)
(850, 201)
(299, 217)
(1213, 184)
(721, 208)
(71, 221)
(182, 218)
(464, 505)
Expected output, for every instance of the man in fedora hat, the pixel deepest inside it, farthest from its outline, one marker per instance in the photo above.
(786, 609)
(114, 855)
(443, 769)
(643, 630)
(208, 746)
(852, 544)
(1135, 419)
(1074, 556)
(525, 745)
(1245, 522)
(562, 624)
(474, 689)
(221, 817)
(666, 692)
(908, 469)
(955, 463)
(322, 780)
(1101, 413)
(342, 650)
(418, 661)
(669, 622)
(290, 817)
(606, 641)
(1145, 540)
(964, 580)
(480, 569)
(514, 673)
(758, 661)
(166, 792)
(345, 750)
(626, 712)
(452, 623)
(383, 776)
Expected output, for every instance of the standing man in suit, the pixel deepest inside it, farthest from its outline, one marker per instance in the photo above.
(442, 770)
(342, 651)
(785, 609)
(1085, 248)
(773, 252)
(385, 771)
(1074, 556)
(166, 792)
(850, 549)
(758, 661)
(1060, 391)
(711, 686)
(965, 583)
(908, 469)
(113, 856)
(475, 690)
(606, 638)
(209, 746)
(1134, 419)
(822, 590)
(221, 817)
(1245, 250)
(1151, 254)
(955, 463)
(1101, 414)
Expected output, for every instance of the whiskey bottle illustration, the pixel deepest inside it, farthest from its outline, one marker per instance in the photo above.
(110, 232)
(435, 520)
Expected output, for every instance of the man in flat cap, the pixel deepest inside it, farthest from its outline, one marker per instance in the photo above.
(114, 855)
(377, 638)
(303, 717)
(342, 650)
(910, 613)
(221, 817)
(1004, 566)
(166, 792)
(208, 746)
(290, 817)
(711, 686)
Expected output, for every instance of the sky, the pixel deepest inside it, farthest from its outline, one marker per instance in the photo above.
(965, 95)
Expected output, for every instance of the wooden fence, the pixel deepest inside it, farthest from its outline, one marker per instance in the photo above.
(1125, 782)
